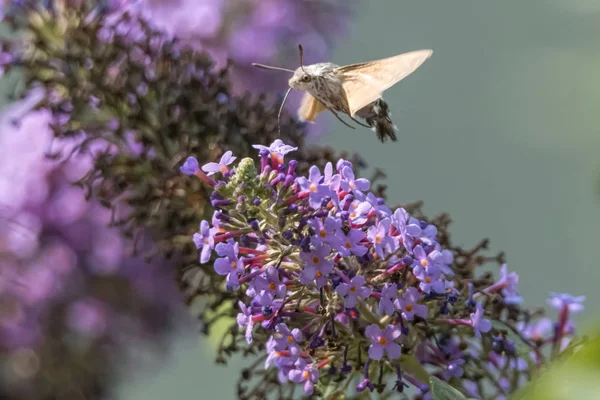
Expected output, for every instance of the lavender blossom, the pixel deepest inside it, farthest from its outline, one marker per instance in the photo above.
(408, 304)
(205, 241)
(353, 290)
(229, 264)
(212, 168)
(479, 323)
(383, 340)
(317, 265)
(306, 374)
(389, 293)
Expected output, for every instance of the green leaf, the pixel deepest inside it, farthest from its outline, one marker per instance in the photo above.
(220, 326)
(440, 390)
(411, 364)
(574, 377)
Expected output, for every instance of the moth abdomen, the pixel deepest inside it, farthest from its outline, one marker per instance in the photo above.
(377, 116)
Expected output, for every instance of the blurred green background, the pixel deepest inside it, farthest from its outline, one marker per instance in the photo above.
(500, 129)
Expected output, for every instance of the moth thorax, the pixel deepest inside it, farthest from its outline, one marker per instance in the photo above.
(328, 89)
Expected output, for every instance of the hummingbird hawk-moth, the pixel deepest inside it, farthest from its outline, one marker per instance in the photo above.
(354, 90)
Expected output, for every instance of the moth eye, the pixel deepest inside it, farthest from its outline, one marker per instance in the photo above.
(306, 78)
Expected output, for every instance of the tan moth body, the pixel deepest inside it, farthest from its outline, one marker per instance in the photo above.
(354, 90)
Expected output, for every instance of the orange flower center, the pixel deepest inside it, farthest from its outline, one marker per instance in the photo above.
(353, 289)
(323, 233)
(316, 260)
(306, 375)
(319, 274)
(352, 185)
(233, 264)
(223, 169)
(377, 239)
(409, 307)
(424, 263)
(352, 215)
(272, 286)
(382, 341)
(313, 187)
(428, 280)
(348, 245)
(290, 339)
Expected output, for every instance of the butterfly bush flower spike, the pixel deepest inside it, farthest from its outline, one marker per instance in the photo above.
(330, 280)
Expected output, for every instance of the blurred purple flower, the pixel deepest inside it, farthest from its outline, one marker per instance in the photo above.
(538, 330)
(454, 369)
(89, 317)
(479, 323)
(561, 301)
(264, 31)
(57, 252)
(507, 284)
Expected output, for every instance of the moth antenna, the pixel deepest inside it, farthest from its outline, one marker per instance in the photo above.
(301, 57)
(280, 110)
(271, 67)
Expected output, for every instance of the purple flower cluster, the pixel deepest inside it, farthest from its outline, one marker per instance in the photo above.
(58, 257)
(334, 277)
(243, 32)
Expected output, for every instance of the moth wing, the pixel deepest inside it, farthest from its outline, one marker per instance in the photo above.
(310, 108)
(366, 82)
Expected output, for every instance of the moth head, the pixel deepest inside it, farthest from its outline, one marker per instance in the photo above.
(301, 80)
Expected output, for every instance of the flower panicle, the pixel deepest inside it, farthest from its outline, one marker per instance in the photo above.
(333, 278)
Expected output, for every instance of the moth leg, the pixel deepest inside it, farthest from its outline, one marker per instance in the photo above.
(346, 110)
(343, 122)
(360, 123)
